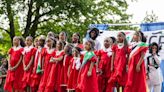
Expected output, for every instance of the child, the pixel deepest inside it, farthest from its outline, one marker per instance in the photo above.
(87, 81)
(3, 72)
(154, 74)
(73, 69)
(48, 54)
(63, 36)
(36, 42)
(136, 81)
(28, 59)
(37, 68)
(53, 80)
(76, 40)
(119, 62)
(104, 65)
(66, 62)
(15, 70)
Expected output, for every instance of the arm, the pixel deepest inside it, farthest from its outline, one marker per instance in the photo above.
(112, 61)
(42, 63)
(57, 59)
(90, 69)
(157, 59)
(30, 63)
(24, 66)
(9, 66)
(140, 62)
(16, 66)
(68, 72)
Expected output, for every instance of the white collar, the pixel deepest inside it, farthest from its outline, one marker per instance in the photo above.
(49, 51)
(28, 48)
(58, 52)
(107, 49)
(120, 45)
(16, 48)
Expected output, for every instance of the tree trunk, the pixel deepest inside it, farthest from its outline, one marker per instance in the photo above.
(11, 20)
(29, 17)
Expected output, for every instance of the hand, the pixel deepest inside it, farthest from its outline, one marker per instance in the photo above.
(89, 73)
(11, 69)
(26, 68)
(52, 59)
(138, 68)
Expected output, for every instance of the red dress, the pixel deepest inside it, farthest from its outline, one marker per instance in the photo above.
(85, 83)
(64, 71)
(105, 65)
(28, 53)
(46, 67)
(136, 80)
(74, 71)
(35, 77)
(14, 78)
(53, 81)
(119, 74)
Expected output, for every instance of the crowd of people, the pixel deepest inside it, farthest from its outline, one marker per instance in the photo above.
(52, 64)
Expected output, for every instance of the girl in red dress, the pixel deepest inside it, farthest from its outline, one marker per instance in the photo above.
(87, 80)
(104, 65)
(15, 71)
(48, 54)
(53, 80)
(66, 62)
(136, 69)
(37, 68)
(29, 53)
(73, 69)
(119, 62)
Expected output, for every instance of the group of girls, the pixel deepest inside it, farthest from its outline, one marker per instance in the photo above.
(52, 64)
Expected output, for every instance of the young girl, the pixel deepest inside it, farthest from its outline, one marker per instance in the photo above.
(136, 81)
(74, 68)
(119, 62)
(87, 81)
(15, 70)
(48, 54)
(36, 42)
(66, 62)
(76, 40)
(53, 80)
(3, 72)
(28, 59)
(104, 65)
(37, 68)
(154, 73)
(63, 36)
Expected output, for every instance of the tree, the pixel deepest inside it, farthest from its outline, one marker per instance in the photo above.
(35, 17)
(149, 18)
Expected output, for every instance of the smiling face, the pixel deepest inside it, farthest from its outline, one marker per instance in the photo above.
(87, 46)
(120, 37)
(107, 42)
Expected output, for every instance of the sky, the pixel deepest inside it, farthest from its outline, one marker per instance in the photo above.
(139, 8)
